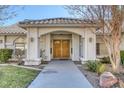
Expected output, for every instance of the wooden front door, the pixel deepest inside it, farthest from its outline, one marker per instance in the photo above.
(65, 49)
(57, 48)
(61, 49)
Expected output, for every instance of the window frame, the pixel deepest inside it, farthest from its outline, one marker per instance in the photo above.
(97, 48)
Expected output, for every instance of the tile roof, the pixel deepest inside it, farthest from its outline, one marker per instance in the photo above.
(56, 21)
(13, 29)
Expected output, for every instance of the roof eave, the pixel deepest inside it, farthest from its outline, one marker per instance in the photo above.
(57, 25)
(12, 34)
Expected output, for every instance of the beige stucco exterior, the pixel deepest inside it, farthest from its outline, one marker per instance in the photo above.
(40, 37)
(14, 42)
(82, 47)
(43, 37)
(9, 40)
(103, 49)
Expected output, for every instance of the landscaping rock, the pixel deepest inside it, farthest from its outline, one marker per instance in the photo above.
(107, 79)
(121, 83)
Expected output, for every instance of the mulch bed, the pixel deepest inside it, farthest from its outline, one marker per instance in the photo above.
(93, 77)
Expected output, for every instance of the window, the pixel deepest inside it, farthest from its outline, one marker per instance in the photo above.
(20, 49)
(1, 41)
(20, 46)
(97, 48)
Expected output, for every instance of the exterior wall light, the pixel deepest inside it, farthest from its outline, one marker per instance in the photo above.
(90, 39)
(32, 39)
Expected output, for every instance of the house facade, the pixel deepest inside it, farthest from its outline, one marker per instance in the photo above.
(56, 38)
(13, 37)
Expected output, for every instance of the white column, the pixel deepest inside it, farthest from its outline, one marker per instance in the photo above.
(83, 50)
(82, 47)
(33, 51)
(85, 46)
(75, 47)
(90, 45)
(28, 45)
(47, 50)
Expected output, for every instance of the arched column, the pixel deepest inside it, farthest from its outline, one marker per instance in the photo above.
(89, 46)
(75, 47)
(33, 50)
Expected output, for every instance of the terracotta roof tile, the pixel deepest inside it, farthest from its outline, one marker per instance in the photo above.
(13, 29)
(55, 21)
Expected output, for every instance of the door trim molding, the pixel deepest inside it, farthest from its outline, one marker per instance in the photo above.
(70, 45)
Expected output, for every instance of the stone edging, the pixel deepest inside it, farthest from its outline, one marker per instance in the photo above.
(32, 68)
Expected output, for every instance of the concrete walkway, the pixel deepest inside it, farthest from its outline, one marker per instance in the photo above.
(60, 74)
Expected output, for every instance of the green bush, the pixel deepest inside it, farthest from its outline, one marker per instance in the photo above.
(100, 68)
(95, 66)
(5, 54)
(91, 65)
(122, 57)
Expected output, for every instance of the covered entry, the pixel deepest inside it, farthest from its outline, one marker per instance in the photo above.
(62, 45)
(60, 38)
(61, 49)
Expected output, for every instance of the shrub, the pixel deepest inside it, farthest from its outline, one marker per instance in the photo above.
(18, 52)
(100, 68)
(105, 60)
(5, 55)
(91, 66)
(95, 66)
(122, 57)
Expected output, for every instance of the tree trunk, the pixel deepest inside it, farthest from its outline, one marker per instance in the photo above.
(116, 64)
(113, 47)
(116, 53)
(115, 60)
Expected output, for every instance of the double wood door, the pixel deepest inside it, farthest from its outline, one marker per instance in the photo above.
(61, 49)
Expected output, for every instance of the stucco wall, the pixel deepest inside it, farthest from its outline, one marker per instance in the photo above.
(9, 42)
(45, 44)
(17, 39)
(90, 45)
(103, 50)
(79, 31)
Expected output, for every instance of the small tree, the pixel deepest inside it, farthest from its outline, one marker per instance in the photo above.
(109, 18)
(8, 12)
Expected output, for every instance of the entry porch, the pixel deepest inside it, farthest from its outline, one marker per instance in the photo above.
(46, 44)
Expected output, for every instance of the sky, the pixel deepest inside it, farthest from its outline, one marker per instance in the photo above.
(38, 12)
